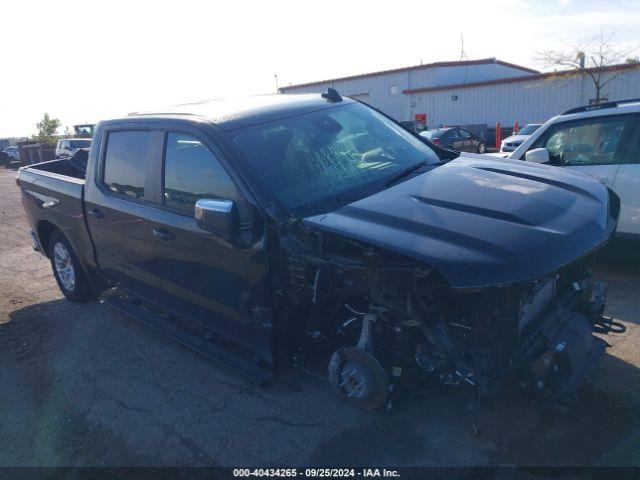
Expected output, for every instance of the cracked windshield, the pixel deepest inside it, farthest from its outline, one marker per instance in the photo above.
(309, 158)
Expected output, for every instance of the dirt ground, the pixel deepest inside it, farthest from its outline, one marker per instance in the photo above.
(83, 385)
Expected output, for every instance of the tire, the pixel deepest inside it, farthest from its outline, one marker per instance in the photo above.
(72, 281)
(482, 148)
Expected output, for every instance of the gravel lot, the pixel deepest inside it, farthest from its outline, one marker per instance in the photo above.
(83, 385)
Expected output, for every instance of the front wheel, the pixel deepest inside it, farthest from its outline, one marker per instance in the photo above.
(67, 270)
(482, 148)
(359, 377)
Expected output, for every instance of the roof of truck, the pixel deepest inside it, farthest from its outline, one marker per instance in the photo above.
(231, 113)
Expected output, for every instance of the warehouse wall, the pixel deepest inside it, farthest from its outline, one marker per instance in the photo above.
(523, 101)
(384, 91)
(381, 91)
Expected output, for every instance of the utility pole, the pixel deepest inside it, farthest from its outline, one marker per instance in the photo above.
(276, 77)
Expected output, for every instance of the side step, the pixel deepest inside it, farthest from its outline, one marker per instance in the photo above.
(207, 348)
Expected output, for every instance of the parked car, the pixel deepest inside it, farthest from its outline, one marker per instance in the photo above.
(9, 155)
(512, 142)
(602, 141)
(68, 146)
(455, 138)
(12, 152)
(275, 230)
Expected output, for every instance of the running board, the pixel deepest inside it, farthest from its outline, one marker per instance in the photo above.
(235, 362)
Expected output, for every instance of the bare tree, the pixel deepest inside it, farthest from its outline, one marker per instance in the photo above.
(600, 58)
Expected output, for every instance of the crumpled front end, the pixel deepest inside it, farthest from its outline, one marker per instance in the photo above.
(387, 323)
(463, 275)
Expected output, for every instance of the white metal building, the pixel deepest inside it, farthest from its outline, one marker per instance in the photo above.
(475, 92)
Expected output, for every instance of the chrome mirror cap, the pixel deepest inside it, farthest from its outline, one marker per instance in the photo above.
(220, 206)
(220, 216)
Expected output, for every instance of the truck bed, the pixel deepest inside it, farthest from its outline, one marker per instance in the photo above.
(53, 196)
(66, 167)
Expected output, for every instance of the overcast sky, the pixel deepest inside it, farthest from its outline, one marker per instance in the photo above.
(81, 61)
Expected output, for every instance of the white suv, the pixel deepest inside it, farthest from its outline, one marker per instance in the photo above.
(68, 146)
(602, 141)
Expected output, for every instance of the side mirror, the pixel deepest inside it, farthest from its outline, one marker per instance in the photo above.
(219, 216)
(537, 155)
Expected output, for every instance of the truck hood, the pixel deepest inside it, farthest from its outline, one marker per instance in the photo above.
(482, 222)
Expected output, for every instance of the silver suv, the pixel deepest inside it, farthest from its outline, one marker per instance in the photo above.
(602, 141)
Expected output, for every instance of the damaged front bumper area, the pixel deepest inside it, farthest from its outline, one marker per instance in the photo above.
(389, 324)
(562, 350)
(465, 275)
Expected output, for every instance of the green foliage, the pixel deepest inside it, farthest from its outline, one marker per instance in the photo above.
(46, 130)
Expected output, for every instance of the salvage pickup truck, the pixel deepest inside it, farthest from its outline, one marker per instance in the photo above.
(314, 230)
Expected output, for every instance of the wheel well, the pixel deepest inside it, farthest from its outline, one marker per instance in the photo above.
(45, 230)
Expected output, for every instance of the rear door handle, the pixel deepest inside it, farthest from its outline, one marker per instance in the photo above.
(163, 234)
(96, 213)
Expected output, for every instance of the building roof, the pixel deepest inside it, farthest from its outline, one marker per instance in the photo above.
(483, 61)
(523, 78)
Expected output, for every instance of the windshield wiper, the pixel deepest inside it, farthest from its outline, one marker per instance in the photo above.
(406, 172)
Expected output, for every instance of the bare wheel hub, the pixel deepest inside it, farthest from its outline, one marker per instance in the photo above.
(357, 375)
(356, 381)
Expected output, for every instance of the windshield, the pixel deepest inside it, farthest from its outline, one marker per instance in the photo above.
(310, 158)
(528, 129)
(79, 143)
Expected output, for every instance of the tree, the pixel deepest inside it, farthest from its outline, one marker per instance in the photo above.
(600, 58)
(46, 129)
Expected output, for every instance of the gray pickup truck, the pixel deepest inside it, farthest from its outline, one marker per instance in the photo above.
(313, 230)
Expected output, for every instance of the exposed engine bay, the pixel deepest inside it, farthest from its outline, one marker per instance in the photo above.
(388, 323)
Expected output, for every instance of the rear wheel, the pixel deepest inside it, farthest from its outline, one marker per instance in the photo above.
(66, 269)
(482, 148)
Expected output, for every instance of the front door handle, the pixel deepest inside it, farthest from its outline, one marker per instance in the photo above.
(96, 213)
(163, 234)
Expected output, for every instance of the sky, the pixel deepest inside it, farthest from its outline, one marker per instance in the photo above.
(82, 61)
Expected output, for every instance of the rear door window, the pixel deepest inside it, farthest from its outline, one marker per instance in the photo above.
(125, 162)
(633, 150)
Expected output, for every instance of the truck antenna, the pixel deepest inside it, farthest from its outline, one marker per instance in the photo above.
(332, 95)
